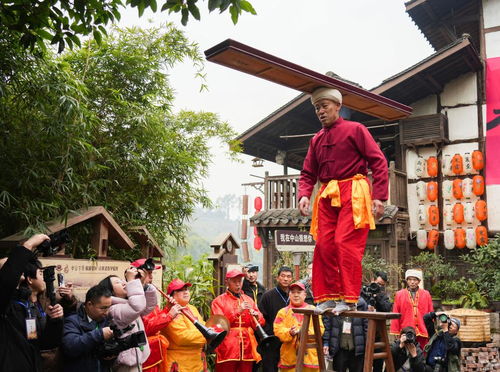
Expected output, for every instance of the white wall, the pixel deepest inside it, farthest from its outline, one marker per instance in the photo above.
(493, 201)
(491, 13)
(492, 40)
(425, 106)
(462, 90)
(462, 123)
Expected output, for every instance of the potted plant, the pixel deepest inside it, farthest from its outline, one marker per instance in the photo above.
(473, 298)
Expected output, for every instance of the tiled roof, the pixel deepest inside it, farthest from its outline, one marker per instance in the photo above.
(292, 217)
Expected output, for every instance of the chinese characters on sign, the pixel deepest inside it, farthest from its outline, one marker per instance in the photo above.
(294, 241)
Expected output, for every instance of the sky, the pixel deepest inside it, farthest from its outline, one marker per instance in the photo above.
(365, 41)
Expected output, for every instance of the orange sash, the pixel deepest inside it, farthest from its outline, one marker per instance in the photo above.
(361, 203)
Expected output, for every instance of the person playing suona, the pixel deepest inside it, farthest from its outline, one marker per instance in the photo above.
(339, 156)
(413, 303)
(238, 351)
(185, 342)
(287, 328)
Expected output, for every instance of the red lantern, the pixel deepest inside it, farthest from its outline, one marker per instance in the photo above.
(432, 239)
(432, 166)
(257, 203)
(257, 243)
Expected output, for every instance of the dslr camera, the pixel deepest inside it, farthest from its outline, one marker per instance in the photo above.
(369, 293)
(443, 318)
(440, 362)
(410, 337)
(115, 345)
(54, 245)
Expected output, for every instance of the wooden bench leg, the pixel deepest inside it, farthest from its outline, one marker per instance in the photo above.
(389, 362)
(304, 335)
(319, 343)
(370, 345)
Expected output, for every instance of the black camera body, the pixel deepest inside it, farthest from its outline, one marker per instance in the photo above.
(54, 245)
(440, 362)
(411, 338)
(369, 293)
(114, 346)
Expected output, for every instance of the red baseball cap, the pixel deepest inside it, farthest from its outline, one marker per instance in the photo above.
(141, 262)
(177, 284)
(298, 285)
(234, 273)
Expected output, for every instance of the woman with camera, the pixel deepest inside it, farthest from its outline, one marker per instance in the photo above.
(131, 300)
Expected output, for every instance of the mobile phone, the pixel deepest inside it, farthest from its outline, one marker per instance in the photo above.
(60, 280)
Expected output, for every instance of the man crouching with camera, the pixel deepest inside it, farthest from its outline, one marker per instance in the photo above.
(443, 348)
(406, 352)
(86, 332)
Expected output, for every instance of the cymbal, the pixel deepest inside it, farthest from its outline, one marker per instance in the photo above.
(218, 321)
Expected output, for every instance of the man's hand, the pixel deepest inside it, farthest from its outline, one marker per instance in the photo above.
(107, 333)
(304, 206)
(66, 291)
(55, 311)
(293, 331)
(325, 350)
(35, 241)
(254, 313)
(244, 306)
(175, 311)
(377, 209)
(402, 340)
(444, 326)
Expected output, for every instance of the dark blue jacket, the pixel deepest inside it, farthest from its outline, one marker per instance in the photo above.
(81, 341)
(333, 329)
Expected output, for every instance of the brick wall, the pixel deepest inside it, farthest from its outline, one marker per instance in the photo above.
(484, 359)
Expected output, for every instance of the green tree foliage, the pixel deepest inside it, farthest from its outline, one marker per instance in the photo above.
(94, 127)
(433, 266)
(485, 267)
(62, 22)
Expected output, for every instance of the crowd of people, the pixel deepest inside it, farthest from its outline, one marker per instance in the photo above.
(121, 327)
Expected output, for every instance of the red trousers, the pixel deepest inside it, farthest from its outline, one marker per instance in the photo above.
(234, 366)
(337, 272)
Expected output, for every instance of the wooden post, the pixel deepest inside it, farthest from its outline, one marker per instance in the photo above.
(100, 237)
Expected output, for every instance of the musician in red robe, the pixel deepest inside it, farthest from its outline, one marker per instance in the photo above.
(339, 157)
(413, 303)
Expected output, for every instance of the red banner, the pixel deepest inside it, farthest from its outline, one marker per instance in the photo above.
(493, 121)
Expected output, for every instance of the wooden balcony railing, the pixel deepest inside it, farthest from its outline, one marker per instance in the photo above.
(280, 192)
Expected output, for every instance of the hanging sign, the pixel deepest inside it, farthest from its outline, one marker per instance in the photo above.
(294, 241)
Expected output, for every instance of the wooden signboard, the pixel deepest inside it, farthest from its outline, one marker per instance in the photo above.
(87, 273)
(243, 58)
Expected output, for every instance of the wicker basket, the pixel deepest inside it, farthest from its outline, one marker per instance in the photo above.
(475, 325)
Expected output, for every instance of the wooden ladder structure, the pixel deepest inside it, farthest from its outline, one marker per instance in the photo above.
(376, 325)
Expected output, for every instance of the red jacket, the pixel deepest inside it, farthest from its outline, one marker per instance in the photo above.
(240, 342)
(341, 151)
(412, 311)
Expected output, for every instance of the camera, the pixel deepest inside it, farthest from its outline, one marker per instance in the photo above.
(54, 245)
(116, 345)
(410, 337)
(369, 293)
(148, 265)
(443, 318)
(440, 362)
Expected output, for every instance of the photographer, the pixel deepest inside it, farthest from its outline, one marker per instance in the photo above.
(374, 294)
(130, 301)
(25, 326)
(443, 349)
(86, 331)
(406, 352)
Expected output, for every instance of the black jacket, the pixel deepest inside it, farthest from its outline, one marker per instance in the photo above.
(333, 329)
(252, 291)
(81, 341)
(382, 303)
(16, 352)
(271, 302)
(400, 356)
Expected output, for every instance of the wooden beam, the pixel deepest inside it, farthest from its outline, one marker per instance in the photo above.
(100, 237)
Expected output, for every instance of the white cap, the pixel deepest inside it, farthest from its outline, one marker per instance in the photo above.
(326, 93)
(413, 273)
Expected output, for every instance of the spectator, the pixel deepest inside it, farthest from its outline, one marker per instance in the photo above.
(407, 355)
(251, 287)
(272, 301)
(25, 327)
(287, 327)
(344, 340)
(86, 331)
(130, 301)
(412, 303)
(444, 345)
(307, 281)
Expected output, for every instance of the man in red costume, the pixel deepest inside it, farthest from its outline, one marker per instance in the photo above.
(238, 351)
(413, 303)
(339, 156)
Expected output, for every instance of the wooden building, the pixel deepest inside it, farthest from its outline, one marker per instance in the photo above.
(447, 92)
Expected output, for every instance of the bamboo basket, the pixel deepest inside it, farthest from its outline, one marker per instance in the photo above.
(475, 325)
